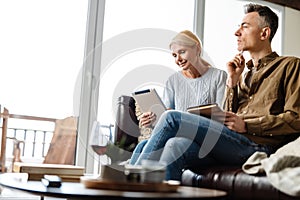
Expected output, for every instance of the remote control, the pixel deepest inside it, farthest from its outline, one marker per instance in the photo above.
(51, 181)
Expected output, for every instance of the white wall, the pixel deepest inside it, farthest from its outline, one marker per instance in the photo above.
(291, 38)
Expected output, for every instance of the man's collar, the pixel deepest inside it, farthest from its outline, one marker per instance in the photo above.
(263, 61)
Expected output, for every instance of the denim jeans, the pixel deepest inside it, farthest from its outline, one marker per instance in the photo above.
(197, 140)
(137, 151)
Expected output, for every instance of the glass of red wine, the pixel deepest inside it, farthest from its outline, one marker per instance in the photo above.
(98, 140)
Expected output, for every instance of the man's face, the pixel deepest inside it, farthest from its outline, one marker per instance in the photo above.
(249, 33)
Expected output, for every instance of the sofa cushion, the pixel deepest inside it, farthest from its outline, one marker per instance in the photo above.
(233, 180)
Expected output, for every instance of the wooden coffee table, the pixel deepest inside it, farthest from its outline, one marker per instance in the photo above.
(71, 190)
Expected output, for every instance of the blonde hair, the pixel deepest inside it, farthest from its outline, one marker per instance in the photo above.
(186, 38)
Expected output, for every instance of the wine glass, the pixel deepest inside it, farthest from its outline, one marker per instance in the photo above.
(98, 140)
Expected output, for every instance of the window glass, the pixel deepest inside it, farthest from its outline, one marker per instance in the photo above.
(222, 21)
(42, 50)
(135, 52)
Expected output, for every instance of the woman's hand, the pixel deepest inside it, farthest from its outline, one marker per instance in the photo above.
(235, 123)
(147, 119)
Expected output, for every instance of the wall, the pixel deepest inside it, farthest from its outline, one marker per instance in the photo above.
(291, 36)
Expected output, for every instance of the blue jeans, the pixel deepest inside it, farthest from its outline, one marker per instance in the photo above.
(137, 151)
(197, 140)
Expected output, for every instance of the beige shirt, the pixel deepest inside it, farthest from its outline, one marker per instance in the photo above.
(268, 99)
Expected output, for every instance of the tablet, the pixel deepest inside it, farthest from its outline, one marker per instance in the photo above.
(150, 101)
(212, 111)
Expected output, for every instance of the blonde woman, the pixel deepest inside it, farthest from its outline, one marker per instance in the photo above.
(196, 83)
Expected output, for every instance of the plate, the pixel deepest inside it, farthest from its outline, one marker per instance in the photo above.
(98, 183)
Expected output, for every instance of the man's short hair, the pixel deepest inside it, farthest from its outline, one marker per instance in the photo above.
(270, 18)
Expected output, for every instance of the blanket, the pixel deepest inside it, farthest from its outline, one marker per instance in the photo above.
(282, 168)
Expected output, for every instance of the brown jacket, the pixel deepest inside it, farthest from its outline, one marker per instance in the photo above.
(268, 99)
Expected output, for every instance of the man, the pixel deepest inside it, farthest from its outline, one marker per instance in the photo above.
(263, 107)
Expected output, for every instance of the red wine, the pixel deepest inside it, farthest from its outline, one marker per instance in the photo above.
(99, 149)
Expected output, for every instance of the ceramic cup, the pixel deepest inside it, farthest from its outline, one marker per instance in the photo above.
(153, 171)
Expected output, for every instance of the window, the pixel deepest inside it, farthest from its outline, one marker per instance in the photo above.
(222, 21)
(42, 50)
(135, 52)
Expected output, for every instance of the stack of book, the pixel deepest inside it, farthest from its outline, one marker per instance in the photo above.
(68, 173)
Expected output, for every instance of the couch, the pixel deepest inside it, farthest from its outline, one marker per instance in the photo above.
(231, 179)
(234, 181)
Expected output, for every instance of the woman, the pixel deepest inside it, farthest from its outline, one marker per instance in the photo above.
(196, 83)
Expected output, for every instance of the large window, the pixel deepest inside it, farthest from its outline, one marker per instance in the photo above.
(135, 52)
(42, 50)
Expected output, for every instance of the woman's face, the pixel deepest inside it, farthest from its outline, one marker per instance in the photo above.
(185, 56)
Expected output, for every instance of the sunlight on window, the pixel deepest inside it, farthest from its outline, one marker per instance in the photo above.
(142, 65)
(42, 50)
(122, 16)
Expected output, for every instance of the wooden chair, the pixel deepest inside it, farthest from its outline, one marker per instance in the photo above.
(63, 144)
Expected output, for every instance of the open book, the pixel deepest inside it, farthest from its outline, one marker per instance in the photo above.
(212, 111)
(150, 101)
